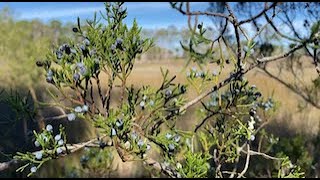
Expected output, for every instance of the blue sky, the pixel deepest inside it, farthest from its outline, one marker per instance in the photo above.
(148, 14)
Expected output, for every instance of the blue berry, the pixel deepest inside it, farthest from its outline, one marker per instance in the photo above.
(177, 138)
(60, 142)
(140, 143)
(36, 143)
(38, 155)
(85, 108)
(59, 54)
(78, 109)
(148, 147)
(86, 42)
(59, 150)
(76, 76)
(142, 104)
(82, 47)
(73, 51)
(83, 70)
(168, 92)
(57, 137)
(168, 136)
(151, 103)
(33, 169)
(119, 123)
(75, 29)
(134, 135)
(49, 79)
(113, 47)
(113, 132)
(183, 89)
(119, 41)
(50, 73)
(49, 127)
(71, 116)
(171, 147)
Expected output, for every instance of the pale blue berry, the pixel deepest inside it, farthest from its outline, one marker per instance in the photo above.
(151, 102)
(119, 41)
(168, 136)
(36, 143)
(49, 127)
(57, 137)
(73, 51)
(33, 169)
(85, 108)
(177, 138)
(82, 47)
(50, 72)
(59, 54)
(113, 47)
(60, 142)
(83, 70)
(171, 147)
(119, 123)
(142, 104)
(71, 116)
(144, 97)
(78, 109)
(76, 76)
(80, 64)
(140, 143)
(252, 137)
(38, 155)
(113, 132)
(86, 42)
(134, 135)
(168, 92)
(59, 150)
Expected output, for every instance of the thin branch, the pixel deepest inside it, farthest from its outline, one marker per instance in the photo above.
(273, 58)
(196, 13)
(247, 162)
(259, 14)
(55, 117)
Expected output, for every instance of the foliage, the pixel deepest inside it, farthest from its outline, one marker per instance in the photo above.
(232, 119)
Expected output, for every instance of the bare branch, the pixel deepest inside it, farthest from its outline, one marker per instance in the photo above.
(247, 162)
(259, 14)
(273, 58)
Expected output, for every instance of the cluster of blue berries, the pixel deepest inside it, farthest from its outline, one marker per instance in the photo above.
(173, 140)
(144, 102)
(58, 143)
(117, 45)
(193, 73)
(72, 116)
(269, 104)
(117, 126)
(49, 77)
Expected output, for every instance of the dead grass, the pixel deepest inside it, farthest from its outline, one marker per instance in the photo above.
(287, 120)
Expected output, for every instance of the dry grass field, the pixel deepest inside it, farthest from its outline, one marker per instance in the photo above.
(287, 121)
